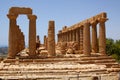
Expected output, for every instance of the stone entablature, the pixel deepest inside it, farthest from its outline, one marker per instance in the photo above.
(91, 20)
(18, 10)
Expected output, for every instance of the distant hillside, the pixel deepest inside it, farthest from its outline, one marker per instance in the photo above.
(3, 50)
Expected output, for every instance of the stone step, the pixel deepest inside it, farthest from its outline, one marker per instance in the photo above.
(58, 59)
(38, 77)
(96, 61)
(116, 66)
(95, 58)
(108, 64)
(42, 73)
(47, 76)
(39, 60)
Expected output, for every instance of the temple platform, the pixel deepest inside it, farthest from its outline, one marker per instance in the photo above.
(94, 67)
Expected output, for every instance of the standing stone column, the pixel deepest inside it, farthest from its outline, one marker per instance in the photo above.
(74, 35)
(45, 42)
(94, 37)
(86, 39)
(78, 37)
(32, 35)
(51, 38)
(81, 39)
(70, 34)
(12, 36)
(66, 36)
(102, 36)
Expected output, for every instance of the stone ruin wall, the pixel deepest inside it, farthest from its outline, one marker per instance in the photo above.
(79, 35)
(16, 37)
(73, 39)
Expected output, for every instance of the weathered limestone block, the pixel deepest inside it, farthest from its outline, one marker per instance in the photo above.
(43, 54)
(69, 51)
(75, 46)
(110, 77)
(51, 38)
(20, 40)
(61, 48)
(18, 10)
(59, 53)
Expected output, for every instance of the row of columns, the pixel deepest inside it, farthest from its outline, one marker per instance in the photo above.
(82, 36)
(71, 35)
(16, 37)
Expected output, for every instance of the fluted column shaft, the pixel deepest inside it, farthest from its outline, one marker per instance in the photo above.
(77, 35)
(94, 37)
(74, 36)
(86, 39)
(70, 36)
(12, 36)
(81, 39)
(51, 38)
(32, 34)
(102, 36)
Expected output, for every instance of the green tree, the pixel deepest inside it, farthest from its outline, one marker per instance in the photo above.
(113, 48)
(109, 46)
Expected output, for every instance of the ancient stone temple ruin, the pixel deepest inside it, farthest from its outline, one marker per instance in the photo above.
(16, 37)
(78, 54)
(80, 34)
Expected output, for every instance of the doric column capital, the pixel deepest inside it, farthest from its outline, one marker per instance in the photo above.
(11, 16)
(102, 20)
(86, 24)
(94, 22)
(32, 17)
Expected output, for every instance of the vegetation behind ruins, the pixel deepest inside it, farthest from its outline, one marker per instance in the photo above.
(113, 48)
(3, 51)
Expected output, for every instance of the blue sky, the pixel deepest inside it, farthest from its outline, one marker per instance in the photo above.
(63, 12)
